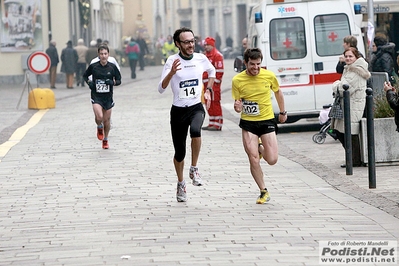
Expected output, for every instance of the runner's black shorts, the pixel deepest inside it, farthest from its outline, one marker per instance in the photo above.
(105, 102)
(259, 128)
(182, 120)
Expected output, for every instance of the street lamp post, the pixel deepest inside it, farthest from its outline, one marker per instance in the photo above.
(370, 26)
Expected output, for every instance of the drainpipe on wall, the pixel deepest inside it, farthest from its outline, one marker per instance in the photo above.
(50, 34)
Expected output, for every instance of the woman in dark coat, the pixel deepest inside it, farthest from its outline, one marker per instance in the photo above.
(69, 59)
(382, 60)
(393, 100)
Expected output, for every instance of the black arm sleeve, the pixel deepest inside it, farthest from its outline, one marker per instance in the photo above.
(393, 99)
(387, 63)
(340, 67)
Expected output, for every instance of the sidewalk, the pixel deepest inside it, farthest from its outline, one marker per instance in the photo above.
(66, 201)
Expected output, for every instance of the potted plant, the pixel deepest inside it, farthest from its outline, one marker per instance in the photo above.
(386, 138)
(382, 108)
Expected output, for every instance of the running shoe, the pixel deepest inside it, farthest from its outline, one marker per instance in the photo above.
(260, 144)
(181, 194)
(105, 144)
(100, 133)
(195, 176)
(263, 197)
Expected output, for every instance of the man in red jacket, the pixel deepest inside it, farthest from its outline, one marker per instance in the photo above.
(215, 111)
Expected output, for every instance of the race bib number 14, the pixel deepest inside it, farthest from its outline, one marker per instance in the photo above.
(189, 89)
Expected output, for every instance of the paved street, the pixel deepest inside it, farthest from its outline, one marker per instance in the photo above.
(66, 201)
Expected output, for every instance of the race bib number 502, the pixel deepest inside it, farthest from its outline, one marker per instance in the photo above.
(250, 108)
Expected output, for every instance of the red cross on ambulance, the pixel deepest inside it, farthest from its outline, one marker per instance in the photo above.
(287, 43)
(332, 36)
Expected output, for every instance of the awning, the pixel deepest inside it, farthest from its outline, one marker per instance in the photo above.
(380, 6)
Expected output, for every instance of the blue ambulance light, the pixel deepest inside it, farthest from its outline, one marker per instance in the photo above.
(258, 17)
(358, 9)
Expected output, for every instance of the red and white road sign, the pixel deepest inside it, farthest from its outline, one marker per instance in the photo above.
(39, 62)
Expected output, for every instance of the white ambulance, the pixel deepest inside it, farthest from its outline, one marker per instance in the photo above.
(301, 42)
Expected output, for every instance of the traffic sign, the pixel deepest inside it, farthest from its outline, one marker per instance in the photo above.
(39, 62)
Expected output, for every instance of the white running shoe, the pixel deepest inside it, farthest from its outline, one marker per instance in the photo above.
(181, 194)
(195, 176)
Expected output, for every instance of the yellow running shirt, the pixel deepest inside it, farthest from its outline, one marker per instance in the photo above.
(255, 93)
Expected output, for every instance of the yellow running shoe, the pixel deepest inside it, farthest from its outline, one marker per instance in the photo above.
(263, 197)
(260, 144)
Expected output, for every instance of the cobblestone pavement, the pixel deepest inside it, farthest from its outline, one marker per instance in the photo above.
(66, 201)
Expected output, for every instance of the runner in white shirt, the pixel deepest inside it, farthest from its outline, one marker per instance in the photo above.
(183, 72)
(110, 59)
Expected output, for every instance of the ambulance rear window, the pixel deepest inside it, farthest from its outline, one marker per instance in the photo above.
(330, 31)
(287, 38)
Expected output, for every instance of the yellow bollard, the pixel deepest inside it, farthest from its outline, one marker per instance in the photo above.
(50, 98)
(41, 99)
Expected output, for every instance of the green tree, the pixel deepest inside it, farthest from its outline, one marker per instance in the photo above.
(84, 12)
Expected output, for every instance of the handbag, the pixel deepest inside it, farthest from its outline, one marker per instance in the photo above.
(336, 110)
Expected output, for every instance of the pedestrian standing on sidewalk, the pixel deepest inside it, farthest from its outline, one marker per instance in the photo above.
(183, 71)
(244, 45)
(69, 58)
(355, 75)
(91, 52)
(218, 41)
(215, 111)
(133, 52)
(52, 52)
(349, 41)
(251, 90)
(105, 76)
(383, 59)
(199, 45)
(168, 48)
(81, 49)
(393, 101)
(143, 50)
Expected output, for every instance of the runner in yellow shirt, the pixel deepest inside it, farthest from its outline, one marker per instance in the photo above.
(251, 90)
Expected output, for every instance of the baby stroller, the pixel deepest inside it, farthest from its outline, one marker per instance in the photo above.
(325, 121)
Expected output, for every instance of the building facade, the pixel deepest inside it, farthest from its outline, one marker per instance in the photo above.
(228, 18)
(28, 26)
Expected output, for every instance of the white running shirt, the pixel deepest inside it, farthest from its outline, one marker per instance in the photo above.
(110, 59)
(187, 82)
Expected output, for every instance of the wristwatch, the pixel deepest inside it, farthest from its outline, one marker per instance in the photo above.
(283, 113)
